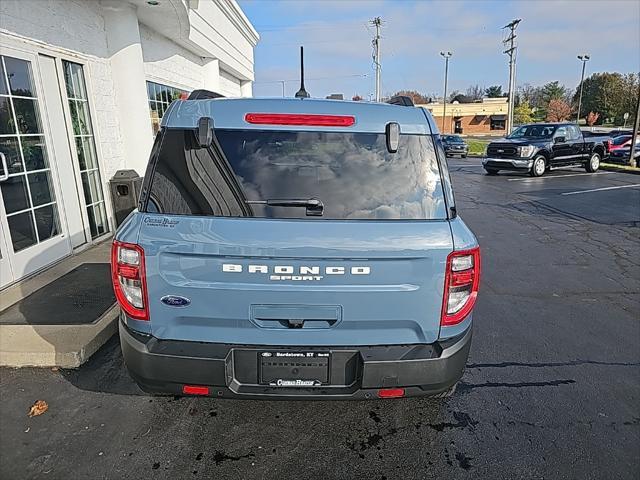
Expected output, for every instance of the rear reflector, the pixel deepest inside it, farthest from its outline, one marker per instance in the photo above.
(391, 392)
(300, 119)
(195, 390)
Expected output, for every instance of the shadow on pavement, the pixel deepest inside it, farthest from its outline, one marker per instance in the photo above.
(105, 372)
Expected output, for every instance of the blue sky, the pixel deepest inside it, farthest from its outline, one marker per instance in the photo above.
(337, 41)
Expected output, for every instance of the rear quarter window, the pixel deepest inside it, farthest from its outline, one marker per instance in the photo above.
(352, 174)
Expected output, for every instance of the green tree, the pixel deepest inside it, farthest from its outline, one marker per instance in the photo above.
(523, 113)
(494, 91)
(609, 94)
(553, 91)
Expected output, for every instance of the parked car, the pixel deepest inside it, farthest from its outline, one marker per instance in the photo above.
(296, 248)
(455, 145)
(622, 141)
(623, 155)
(538, 147)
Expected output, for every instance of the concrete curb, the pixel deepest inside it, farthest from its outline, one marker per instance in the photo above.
(67, 346)
(615, 168)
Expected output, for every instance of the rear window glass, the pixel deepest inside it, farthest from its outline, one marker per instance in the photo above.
(351, 174)
(621, 140)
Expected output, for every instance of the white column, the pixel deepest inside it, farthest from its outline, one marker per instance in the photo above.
(246, 88)
(211, 72)
(127, 67)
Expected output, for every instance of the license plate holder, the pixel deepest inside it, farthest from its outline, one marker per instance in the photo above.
(294, 369)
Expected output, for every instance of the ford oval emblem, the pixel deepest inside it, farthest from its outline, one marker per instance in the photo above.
(175, 301)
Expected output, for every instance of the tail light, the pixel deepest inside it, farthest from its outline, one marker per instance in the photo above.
(462, 280)
(300, 119)
(129, 279)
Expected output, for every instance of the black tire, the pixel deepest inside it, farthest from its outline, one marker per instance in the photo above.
(491, 171)
(594, 163)
(464, 155)
(539, 166)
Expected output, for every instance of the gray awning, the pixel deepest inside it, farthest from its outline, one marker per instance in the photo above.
(498, 117)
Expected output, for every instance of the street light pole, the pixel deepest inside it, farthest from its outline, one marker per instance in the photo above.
(584, 58)
(446, 56)
(634, 137)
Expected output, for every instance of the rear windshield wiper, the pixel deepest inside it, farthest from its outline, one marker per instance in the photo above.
(314, 206)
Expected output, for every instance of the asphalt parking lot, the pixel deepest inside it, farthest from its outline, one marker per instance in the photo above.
(552, 388)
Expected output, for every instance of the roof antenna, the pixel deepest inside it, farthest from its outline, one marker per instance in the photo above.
(302, 93)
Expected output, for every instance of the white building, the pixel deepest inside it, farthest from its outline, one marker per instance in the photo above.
(83, 84)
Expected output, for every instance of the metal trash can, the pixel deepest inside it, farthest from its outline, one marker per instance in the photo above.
(125, 189)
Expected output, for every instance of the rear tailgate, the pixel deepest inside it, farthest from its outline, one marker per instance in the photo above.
(290, 282)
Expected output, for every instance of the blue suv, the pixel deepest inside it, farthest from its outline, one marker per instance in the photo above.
(296, 248)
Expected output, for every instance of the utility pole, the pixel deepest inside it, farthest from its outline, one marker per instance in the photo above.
(634, 138)
(446, 56)
(584, 58)
(377, 22)
(510, 42)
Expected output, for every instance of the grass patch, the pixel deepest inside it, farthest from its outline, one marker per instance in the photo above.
(624, 168)
(477, 147)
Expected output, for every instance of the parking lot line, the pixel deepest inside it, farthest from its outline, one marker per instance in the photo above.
(601, 189)
(557, 176)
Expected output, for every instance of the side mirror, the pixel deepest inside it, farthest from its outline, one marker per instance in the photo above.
(205, 132)
(393, 136)
(559, 140)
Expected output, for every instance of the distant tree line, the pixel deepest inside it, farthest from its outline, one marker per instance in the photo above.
(606, 98)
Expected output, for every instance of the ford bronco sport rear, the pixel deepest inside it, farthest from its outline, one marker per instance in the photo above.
(296, 249)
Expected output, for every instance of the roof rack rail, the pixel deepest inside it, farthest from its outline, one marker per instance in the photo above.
(203, 94)
(401, 100)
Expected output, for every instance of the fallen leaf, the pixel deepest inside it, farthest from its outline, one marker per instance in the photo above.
(38, 408)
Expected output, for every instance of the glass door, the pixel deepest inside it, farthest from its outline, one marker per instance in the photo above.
(33, 234)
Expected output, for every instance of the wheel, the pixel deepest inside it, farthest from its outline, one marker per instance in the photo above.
(491, 171)
(539, 166)
(464, 155)
(593, 164)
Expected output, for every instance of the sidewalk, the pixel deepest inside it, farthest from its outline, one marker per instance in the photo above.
(60, 316)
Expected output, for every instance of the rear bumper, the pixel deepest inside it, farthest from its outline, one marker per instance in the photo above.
(518, 165)
(231, 371)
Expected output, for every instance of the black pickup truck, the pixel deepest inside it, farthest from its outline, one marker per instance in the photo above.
(539, 147)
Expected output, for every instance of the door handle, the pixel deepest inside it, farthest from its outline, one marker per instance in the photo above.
(5, 169)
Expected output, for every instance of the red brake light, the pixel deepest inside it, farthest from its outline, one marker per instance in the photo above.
(391, 392)
(195, 390)
(462, 279)
(300, 119)
(129, 279)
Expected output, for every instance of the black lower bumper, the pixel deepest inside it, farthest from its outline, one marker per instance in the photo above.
(233, 371)
(514, 165)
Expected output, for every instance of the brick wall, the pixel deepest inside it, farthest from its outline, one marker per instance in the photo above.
(168, 63)
(471, 125)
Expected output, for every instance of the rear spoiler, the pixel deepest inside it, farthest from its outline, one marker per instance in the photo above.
(401, 100)
(203, 95)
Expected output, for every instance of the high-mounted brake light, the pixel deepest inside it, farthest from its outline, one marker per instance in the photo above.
(462, 279)
(129, 279)
(300, 119)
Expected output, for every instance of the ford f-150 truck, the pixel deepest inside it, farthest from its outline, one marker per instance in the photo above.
(539, 147)
(296, 248)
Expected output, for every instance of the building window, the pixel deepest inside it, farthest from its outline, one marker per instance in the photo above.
(160, 97)
(27, 192)
(85, 148)
(498, 123)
